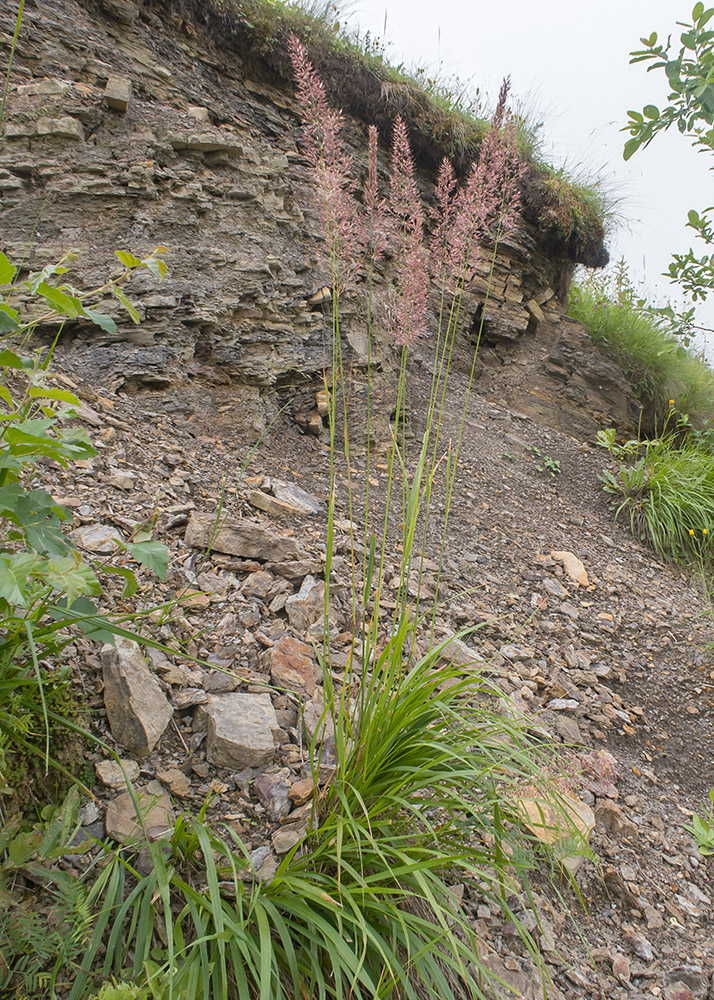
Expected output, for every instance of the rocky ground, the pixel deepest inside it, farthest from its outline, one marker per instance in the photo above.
(589, 634)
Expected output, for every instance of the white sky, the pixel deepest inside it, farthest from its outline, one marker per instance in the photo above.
(569, 60)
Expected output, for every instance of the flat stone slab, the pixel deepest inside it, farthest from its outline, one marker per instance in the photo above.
(241, 729)
(245, 539)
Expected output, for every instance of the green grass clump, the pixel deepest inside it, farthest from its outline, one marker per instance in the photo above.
(668, 493)
(654, 360)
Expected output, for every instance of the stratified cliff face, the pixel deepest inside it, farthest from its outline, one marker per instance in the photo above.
(128, 127)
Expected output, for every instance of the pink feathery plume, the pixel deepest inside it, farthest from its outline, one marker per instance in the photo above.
(491, 195)
(323, 147)
(442, 217)
(375, 210)
(409, 315)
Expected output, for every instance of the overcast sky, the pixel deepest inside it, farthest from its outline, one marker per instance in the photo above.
(569, 61)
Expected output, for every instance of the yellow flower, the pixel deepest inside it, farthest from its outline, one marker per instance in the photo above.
(704, 531)
(691, 531)
(671, 402)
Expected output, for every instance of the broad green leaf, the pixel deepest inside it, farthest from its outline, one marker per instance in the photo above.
(15, 571)
(9, 318)
(157, 267)
(71, 578)
(651, 111)
(130, 582)
(631, 147)
(128, 259)
(59, 300)
(7, 270)
(8, 359)
(101, 320)
(64, 395)
(697, 11)
(83, 613)
(153, 555)
(130, 308)
(40, 518)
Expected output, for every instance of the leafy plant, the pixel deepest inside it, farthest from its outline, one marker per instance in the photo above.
(548, 464)
(690, 106)
(668, 493)
(45, 584)
(702, 827)
(37, 954)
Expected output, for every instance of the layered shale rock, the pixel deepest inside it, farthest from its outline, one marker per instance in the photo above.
(129, 126)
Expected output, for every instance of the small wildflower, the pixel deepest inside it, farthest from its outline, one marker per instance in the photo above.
(704, 531)
(691, 531)
(671, 402)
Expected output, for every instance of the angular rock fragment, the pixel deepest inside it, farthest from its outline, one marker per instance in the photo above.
(63, 128)
(287, 837)
(292, 665)
(117, 92)
(137, 708)
(273, 794)
(175, 780)
(240, 538)
(156, 812)
(114, 774)
(99, 538)
(306, 607)
(572, 566)
(241, 729)
(300, 500)
(561, 821)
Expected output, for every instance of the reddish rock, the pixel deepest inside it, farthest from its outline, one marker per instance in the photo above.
(293, 666)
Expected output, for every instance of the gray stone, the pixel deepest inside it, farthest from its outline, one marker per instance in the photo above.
(122, 479)
(117, 92)
(554, 588)
(306, 607)
(137, 709)
(299, 499)
(314, 720)
(206, 142)
(273, 794)
(241, 729)
(49, 88)
(240, 538)
(156, 812)
(288, 837)
(64, 128)
(124, 11)
(198, 112)
(99, 538)
(457, 652)
(562, 704)
(114, 774)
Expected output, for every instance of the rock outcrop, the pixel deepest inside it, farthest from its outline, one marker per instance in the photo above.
(127, 126)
